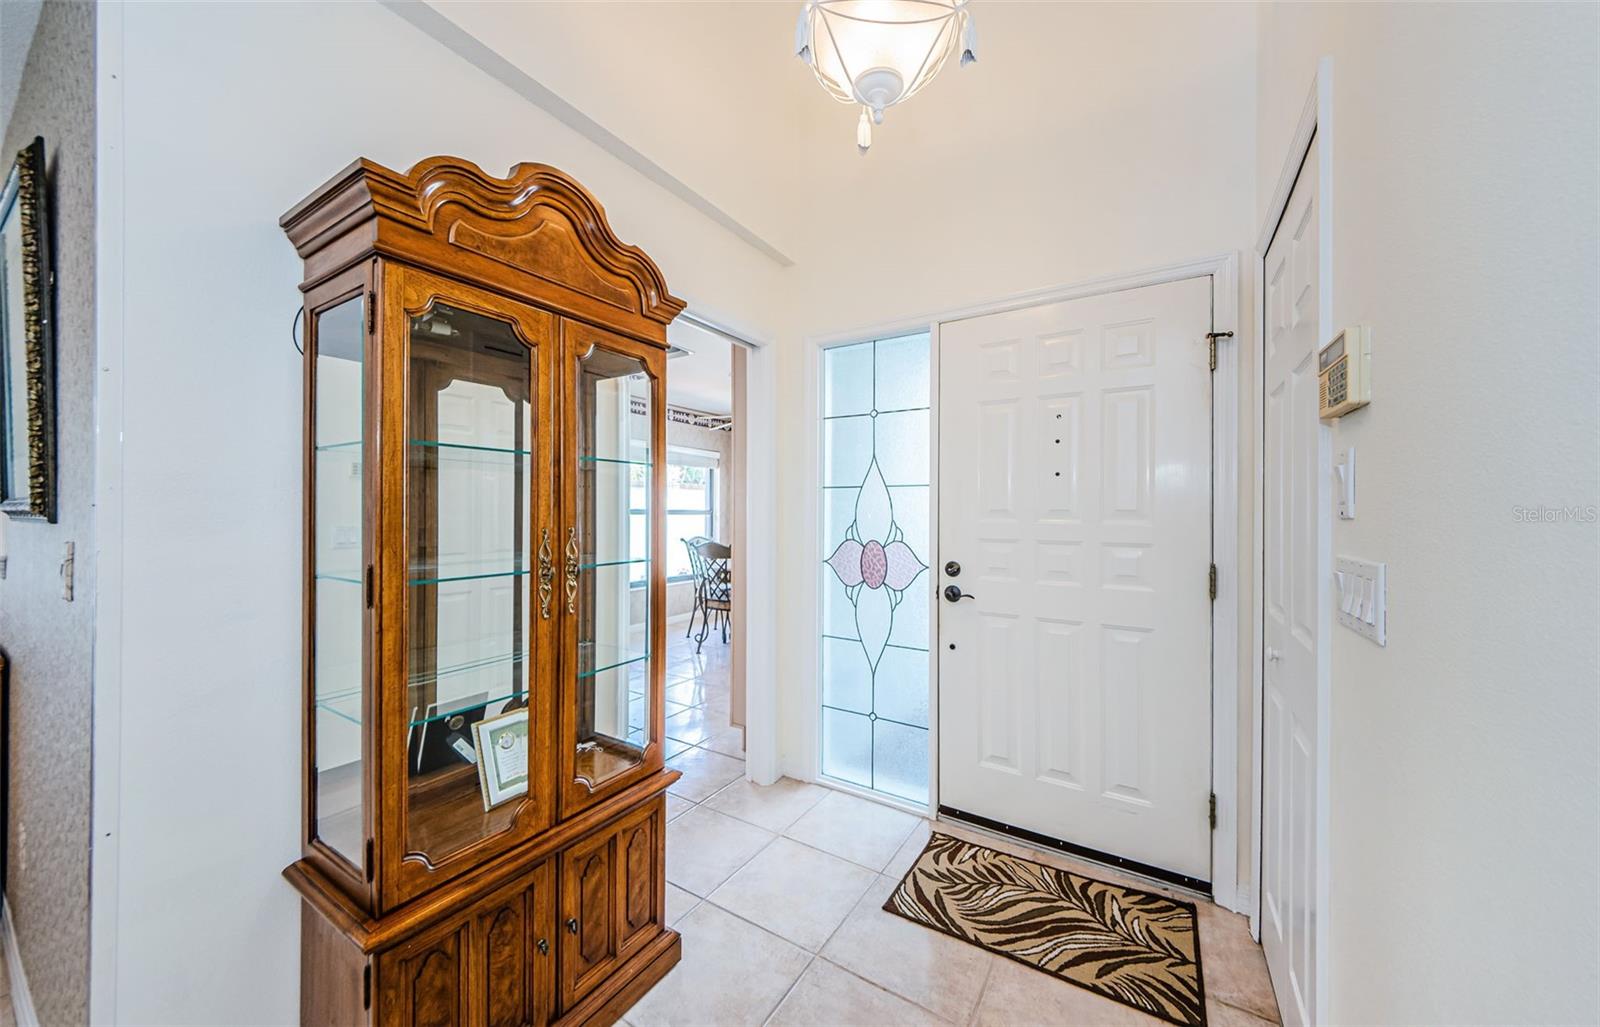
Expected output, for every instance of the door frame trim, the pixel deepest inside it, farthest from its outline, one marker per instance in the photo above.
(1316, 121)
(1223, 268)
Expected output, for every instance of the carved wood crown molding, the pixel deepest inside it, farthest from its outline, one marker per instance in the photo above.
(500, 219)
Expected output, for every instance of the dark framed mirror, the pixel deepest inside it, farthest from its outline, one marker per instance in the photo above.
(27, 342)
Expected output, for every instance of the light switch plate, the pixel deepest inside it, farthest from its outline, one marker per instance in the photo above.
(1344, 480)
(1360, 597)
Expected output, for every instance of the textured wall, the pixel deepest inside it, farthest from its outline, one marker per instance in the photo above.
(1463, 760)
(50, 641)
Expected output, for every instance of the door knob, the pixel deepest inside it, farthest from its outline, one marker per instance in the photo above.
(572, 925)
(954, 594)
(1273, 654)
(544, 947)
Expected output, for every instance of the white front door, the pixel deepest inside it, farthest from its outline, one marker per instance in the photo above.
(1075, 493)
(1294, 605)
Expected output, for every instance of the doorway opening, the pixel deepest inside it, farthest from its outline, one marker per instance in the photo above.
(706, 483)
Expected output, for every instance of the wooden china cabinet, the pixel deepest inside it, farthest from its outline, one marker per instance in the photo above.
(484, 802)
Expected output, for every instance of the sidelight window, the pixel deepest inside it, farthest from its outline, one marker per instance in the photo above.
(875, 589)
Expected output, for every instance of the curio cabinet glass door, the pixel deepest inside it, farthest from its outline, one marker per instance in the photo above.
(338, 656)
(614, 586)
(469, 728)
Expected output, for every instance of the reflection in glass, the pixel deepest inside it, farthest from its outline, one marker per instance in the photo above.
(339, 567)
(614, 508)
(875, 541)
(469, 445)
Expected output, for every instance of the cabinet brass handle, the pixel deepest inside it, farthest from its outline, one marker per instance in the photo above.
(572, 926)
(572, 573)
(547, 576)
(544, 947)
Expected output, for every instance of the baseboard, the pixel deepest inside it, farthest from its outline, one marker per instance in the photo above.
(21, 999)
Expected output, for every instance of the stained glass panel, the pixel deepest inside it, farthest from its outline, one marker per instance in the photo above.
(875, 545)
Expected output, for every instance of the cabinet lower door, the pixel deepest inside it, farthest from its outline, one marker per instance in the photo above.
(612, 896)
(493, 966)
(513, 950)
(425, 982)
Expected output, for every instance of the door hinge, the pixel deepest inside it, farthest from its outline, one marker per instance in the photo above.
(372, 312)
(370, 859)
(368, 583)
(366, 986)
(1212, 811)
(1211, 343)
(1211, 581)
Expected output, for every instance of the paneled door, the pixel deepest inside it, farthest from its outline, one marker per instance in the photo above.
(1075, 636)
(1294, 605)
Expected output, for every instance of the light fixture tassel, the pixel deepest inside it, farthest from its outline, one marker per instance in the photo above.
(802, 32)
(864, 133)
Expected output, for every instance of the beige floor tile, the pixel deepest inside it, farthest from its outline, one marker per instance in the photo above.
(1234, 965)
(1220, 1014)
(826, 996)
(704, 773)
(1020, 996)
(677, 806)
(692, 726)
(798, 893)
(773, 806)
(704, 848)
(860, 830)
(933, 970)
(731, 973)
(687, 691)
(910, 849)
(728, 740)
(679, 902)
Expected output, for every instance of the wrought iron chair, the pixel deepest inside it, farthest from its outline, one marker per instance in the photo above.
(697, 569)
(715, 595)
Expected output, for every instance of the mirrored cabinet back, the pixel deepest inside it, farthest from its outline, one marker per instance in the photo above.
(484, 801)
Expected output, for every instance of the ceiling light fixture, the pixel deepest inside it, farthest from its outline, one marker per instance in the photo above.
(878, 53)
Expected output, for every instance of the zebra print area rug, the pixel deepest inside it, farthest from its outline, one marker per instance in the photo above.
(1133, 947)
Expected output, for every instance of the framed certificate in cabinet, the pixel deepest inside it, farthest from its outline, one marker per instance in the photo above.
(502, 745)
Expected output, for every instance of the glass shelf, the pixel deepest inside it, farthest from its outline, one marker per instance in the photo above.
(611, 460)
(344, 705)
(328, 447)
(344, 577)
(464, 447)
(595, 659)
(437, 578)
(469, 666)
(466, 704)
(594, 564)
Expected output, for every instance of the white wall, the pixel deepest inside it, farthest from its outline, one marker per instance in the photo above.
(1086, 141)
(1464, 773)
(230, 114)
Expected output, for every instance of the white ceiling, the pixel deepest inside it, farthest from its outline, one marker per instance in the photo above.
(712, 93)
(703, 380)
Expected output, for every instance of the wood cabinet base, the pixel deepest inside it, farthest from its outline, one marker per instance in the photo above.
(571, 932)
(605, 1005)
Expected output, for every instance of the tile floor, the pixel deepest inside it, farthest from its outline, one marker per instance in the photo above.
(778, 894)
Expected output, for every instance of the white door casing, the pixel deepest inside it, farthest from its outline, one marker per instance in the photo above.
(1076, 702)
(1294, 599)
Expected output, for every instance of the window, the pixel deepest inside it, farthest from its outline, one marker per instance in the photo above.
(691, 510)
(873, 659)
